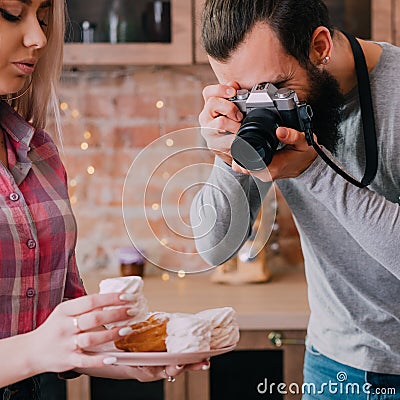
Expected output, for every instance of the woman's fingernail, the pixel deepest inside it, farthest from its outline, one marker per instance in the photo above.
(239, 115)
(131, 312)
(230, 92)
(110, 360)
(205, 367)
(179, 367)
(125, 331)
(127, 297)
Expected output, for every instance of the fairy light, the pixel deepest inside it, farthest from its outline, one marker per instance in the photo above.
(169, 142)
(181, 273)
(75, 113)
(64, 106)
(73, 199)
(87, 135)
(164, 242)
(166, 175)
(160, 104)
(155, 206)
(84, 145)
(90, 170)
(73, 183)
(165, 277)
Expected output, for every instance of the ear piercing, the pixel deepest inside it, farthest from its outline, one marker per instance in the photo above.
(325, 60)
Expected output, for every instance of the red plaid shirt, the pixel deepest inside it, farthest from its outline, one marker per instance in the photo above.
(37, 228)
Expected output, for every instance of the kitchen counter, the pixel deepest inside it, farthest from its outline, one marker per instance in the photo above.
(280, 303)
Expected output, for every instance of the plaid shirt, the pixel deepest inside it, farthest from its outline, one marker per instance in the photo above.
(37, 229)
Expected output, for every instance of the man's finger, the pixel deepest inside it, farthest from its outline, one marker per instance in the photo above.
(292, 137)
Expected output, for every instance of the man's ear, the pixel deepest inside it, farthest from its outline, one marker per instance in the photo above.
(321, 46)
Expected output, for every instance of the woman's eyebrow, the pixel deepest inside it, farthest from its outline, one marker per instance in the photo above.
(44, 4)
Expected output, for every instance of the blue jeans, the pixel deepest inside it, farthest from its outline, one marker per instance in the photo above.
(40, 387)
(327, 379)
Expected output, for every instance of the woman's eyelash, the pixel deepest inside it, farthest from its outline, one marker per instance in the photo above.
(9, 17)
(16, 18)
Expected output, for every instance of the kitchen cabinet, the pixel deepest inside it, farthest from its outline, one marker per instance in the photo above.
(272, 318)
(178, 51)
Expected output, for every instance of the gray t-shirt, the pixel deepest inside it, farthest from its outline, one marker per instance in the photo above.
(349, 236)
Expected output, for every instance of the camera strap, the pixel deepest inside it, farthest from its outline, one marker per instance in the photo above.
(368, 122)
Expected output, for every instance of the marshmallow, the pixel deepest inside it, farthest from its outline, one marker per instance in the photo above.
(187, 333)
(225, 329)
(128, 284)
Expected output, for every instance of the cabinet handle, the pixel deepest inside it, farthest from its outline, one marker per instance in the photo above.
(277, 339)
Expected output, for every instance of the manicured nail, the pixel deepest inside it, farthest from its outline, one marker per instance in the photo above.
(127, 297)
(110, 360)
(230, 92)
(179, 367)
(131, 312)
(125, 331)
(205, 367)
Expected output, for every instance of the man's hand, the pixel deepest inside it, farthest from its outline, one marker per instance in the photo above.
(222, 116)
(289, 162)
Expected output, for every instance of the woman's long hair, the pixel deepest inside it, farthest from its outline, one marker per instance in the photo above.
(34, 105)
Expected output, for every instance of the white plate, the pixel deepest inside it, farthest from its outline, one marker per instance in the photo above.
(159, 358)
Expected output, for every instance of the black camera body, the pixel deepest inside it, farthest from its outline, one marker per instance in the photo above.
(265, 108)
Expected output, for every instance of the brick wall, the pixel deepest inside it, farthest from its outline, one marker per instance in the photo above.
(109, 116)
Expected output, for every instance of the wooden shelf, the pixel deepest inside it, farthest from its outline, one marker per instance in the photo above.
(179, 51)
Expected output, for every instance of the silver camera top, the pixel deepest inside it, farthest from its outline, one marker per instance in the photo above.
(265, 95)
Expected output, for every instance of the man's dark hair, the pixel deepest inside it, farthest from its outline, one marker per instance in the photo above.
(225, 24)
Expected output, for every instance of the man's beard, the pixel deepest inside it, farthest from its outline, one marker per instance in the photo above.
(326, 101)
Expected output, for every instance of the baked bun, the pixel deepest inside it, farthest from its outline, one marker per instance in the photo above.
(148, 335)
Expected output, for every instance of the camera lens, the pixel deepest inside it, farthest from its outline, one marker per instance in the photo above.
(256, 141)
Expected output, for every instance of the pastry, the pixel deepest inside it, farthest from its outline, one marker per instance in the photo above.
(132, 285)
(146, 336)
(224, 327)
(187, 333)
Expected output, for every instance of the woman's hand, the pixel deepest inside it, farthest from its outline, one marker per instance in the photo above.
(58, 343)
(143, 374)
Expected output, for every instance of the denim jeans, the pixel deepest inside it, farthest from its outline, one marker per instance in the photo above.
(327, 379)
(40, 387)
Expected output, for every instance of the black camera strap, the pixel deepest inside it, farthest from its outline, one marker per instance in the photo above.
(368, 122)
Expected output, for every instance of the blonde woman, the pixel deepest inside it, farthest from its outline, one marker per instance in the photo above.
(41, 335)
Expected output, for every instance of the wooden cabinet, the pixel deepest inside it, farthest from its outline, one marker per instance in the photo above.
(386, 21)
(179, 51)
(252, 372)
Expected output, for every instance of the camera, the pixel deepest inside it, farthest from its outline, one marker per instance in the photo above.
(265, 108)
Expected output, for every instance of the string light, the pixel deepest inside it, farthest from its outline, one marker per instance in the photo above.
(90, 170)
(160, 104)
(64, 106)
(166, 175)
(181, 273)
(73, 183)
(75, 113)
(155, 206)
(169, 142)
(164, 242)
(73, 199)
(165, 277)
(87, 135)
(84, 145)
